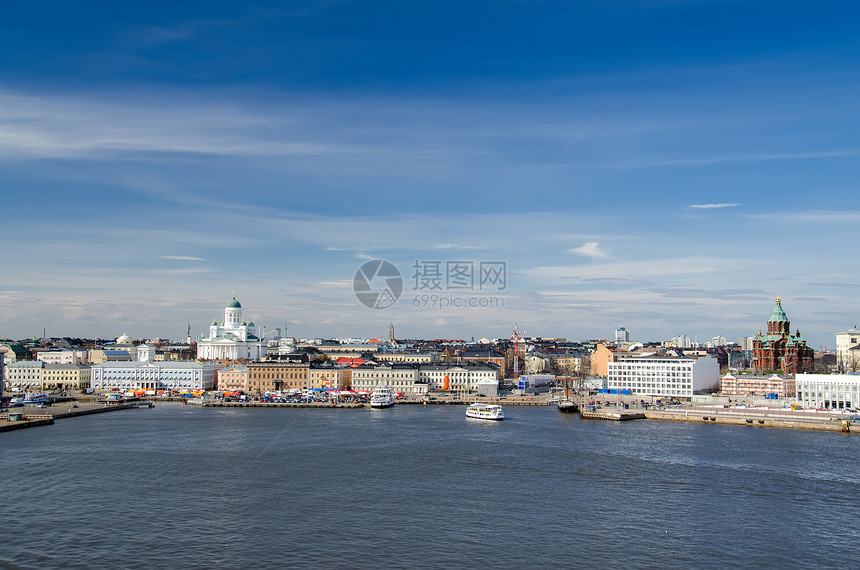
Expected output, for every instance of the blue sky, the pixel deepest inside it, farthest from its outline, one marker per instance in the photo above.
(667, 166)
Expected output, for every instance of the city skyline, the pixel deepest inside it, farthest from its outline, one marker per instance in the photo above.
(670, 168)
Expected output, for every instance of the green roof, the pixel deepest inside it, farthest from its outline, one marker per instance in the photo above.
(234, 304)
(778, 315)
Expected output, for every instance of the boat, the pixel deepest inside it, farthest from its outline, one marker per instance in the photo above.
(142, 404)
(485, 412)
(381, 398)
(567, 404)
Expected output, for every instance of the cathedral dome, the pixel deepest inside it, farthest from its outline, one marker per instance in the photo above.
(234, 304)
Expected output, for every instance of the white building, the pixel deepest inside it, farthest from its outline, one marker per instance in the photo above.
(846, 358)
(458, 377)
(830, 391)
(397, 377)
(25, 375)
(62, 356)
(177, 376)
(663, 376)
(682, 341)
(622, 335)
(233, 339)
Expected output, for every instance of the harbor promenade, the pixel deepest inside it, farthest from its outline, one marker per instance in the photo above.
(32, 416)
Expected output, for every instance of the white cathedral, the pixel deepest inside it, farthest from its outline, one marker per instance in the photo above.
(233, 339)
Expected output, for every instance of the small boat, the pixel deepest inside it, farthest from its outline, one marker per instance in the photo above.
(143, 404)
(566, 404)
(381, 398)
(485, 412)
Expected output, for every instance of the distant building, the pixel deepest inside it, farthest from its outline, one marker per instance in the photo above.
(847, 358)
(233, 339)
(416, 357)
(745, 343)
(670, 377)
(682, 341)
(488, 355)
(779, 349)
(829, 391)
(62, 356)
(622, 335)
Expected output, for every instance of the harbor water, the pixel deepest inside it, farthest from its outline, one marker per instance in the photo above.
(422, 487)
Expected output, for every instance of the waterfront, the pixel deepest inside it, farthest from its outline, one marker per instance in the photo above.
(416, 486)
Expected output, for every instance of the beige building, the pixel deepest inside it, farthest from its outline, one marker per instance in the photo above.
(233, 378)
(63, 356)
(275, 376)
(412, 357)
(329, 377)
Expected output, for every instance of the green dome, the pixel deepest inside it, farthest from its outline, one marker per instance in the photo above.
(778, 315)
(234, 304)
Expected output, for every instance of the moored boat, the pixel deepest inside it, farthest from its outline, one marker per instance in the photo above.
(485, 412)
(567, 406)
(381, 398)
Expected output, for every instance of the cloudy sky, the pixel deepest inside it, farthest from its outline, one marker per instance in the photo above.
(668, 166)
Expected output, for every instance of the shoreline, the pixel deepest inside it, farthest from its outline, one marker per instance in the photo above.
(778, 418)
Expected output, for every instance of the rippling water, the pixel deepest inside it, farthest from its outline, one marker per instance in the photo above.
(181, 486)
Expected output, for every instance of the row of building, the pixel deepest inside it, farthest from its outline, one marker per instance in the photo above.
(253, 377)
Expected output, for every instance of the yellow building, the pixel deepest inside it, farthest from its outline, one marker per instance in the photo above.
(274, 376)
(66, 376)
(325, 377)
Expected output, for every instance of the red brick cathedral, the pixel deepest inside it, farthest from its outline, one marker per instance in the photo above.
(779, 349)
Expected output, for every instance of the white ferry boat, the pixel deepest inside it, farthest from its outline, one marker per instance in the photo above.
(485, 412)
(381, 398)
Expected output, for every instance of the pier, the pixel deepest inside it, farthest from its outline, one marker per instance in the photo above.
(28, 416)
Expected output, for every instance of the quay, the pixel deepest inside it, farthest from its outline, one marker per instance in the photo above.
(616, 415)
(221, 404)
(755, 417)
(29, 416)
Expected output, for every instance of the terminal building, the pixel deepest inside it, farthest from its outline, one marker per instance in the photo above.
(663, 376)
(828, 391)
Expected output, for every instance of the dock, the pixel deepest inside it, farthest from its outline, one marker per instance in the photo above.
(609, 414)
(36, 417)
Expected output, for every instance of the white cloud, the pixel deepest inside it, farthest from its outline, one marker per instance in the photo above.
(589, 249)
(181, 258)
(713, 206)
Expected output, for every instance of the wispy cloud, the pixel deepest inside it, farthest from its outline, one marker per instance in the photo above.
(732, 158)
(181, 258)
(713, 206)
(590, 249)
